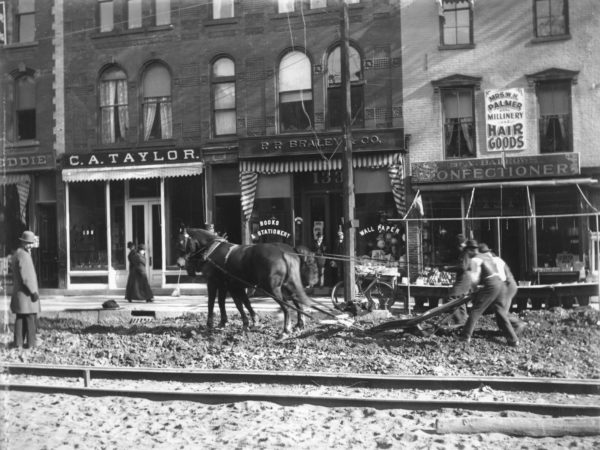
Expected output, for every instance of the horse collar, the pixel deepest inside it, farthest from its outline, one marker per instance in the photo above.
(232, 248)
(213, 247)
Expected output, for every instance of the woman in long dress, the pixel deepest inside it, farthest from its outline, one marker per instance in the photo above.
(138, 287)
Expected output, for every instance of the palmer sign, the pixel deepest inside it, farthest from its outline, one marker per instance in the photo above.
(486, 169)
(505, 120)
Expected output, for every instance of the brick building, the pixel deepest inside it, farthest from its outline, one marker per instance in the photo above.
(500, 101)
(28, 179)
(182, 113)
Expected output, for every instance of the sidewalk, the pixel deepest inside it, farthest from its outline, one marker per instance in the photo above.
(88, 307)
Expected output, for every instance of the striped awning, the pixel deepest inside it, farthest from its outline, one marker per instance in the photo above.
(73, 175)
(271, 166)
(23, 183)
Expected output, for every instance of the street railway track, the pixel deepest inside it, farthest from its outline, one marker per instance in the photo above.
(293, 388)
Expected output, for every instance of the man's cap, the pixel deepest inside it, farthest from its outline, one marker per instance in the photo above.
(28, 237)
(483, 248)
(471, 243)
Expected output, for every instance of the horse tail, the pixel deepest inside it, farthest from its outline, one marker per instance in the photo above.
(293, 280)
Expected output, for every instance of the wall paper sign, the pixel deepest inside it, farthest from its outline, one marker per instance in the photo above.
(505, 120)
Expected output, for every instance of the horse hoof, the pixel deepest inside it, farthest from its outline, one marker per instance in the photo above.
(222, 324)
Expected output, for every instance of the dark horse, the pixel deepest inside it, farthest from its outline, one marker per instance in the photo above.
(273, 268)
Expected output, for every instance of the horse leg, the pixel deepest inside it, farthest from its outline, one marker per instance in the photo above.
(238, 295)
(277, 293)
(221, 296)
(289, 298)
(246, 302)
(212, 293)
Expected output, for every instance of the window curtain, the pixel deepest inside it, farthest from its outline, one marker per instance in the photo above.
(449, 132)
(122, 102)
(107, 96)
(166, 118)
(465, 129)
(248, 183)
(149, 115)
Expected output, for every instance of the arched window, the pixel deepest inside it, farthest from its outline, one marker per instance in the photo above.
(223, 87)
(156, 107)
(295, 92)
(335, 106)
(25, 107)
(114, 114)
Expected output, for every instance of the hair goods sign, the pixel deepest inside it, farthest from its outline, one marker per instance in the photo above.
(505, 120)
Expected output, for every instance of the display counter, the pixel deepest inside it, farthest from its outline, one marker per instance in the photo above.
(549, 295)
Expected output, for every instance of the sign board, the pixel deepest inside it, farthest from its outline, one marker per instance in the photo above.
(324, 143)
(131, 158)
(27, 163)
(505, 120)
(487, 169)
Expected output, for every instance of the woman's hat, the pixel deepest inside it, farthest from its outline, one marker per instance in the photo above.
(141, 247)
(28, 237)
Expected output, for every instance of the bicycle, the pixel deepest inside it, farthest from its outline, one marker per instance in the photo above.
(370, 289)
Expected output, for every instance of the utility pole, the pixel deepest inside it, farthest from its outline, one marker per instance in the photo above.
(347, 172)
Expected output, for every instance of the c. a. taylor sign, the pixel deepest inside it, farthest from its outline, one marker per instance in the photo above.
(485, 169)
(131, 158)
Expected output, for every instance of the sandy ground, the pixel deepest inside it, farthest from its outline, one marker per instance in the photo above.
(57, 421)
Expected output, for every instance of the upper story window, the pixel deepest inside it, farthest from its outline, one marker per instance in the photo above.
(26, 20)
(156, 107)
(2, 24)
(335, 102)
(551, 17)
(554, 121)
(114, 114)
(222, 9)
(106, 15)
(286, 6)
(295, 92)
(163, 12)
(223, 88)
(25, 108)
(314, 4)
(456, 22)
(459, 122)
(134, 14)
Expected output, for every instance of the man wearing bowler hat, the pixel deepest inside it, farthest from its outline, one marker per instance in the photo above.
(25, 300)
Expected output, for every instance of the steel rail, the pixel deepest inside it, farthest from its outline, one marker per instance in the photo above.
(327, 401)
(424, 382)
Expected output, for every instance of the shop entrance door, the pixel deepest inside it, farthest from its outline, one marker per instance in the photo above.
(324, 217)
(144, 227)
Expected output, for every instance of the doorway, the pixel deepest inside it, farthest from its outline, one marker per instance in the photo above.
(48, 250)
(144, 227)
(323, 216)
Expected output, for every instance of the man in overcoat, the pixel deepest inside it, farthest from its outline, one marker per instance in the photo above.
(25, 299)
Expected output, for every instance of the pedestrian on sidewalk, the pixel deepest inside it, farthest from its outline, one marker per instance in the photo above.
(25, 299)
(138, 287)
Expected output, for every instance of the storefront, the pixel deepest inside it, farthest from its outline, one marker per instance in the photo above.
(532, 210)
(292, 193)
(144, 197)
(28, 202)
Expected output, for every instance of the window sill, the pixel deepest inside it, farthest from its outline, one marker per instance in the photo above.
(307, 12)
(26, 143)
(224, 21)
(541, 40)
(134, 31)
(16, 45)
(156, 143)
(457, 47)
